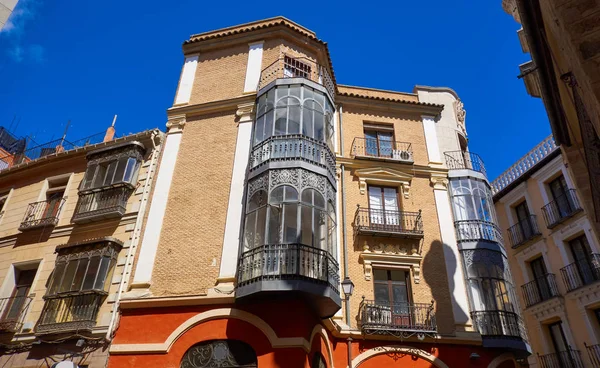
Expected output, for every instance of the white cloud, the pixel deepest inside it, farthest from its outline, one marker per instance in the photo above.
(16, 53)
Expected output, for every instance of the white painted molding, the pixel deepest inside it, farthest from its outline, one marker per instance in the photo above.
(403, 349)
(253, 67)
(545, 173)
(501, 359)
(186, 82)
(564, 233)
(431, 140)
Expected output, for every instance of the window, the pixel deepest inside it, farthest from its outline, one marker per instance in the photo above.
(582, 257)
(294, 68)
(54, 196)
(559, 342)
(220, 353)
(539, 274)
(108, 172)
(472, 200)
(523, 220)
(379, 142)
(391, 288)
(562, 196)
(3, 199)
(19, 298)
(383, 205)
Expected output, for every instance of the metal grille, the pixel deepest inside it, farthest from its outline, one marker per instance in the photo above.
(388, 150)
(594, 354)
(456, 160)
(540, 289)
(523, 231)
(109, 202)
(404, 319)
(475, 230)
(561, 208)
(499, 324)
(43, 213)
(581, 272)
(394, 223)
(563, 359)
(12, 312)
(70, 312)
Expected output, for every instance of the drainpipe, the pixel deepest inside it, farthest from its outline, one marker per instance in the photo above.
(136, 230)
(349, 344)
(344, 240)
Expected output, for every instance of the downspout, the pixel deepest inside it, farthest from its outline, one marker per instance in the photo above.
(136, 230)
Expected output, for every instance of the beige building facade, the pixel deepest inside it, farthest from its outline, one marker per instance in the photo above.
(71, 218)
(554, 257)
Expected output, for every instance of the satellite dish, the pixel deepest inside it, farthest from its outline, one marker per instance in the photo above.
(65, 364)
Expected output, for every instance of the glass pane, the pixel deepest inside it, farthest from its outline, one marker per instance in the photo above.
(320, 98)
(89, 177)
(80, 274)
(319, 201)
(259, 130)
(280, 120)
(261, 220)
(276, 195)
(68, 279)
(375, 198)
(262, 105)
(102, 273)
(307, 122)
(257, 200)
(99, 177)
(380, 275)
(119, 173)
(371, 147)
(307, 196)
(90, 275)
(295, 90)
(320, 228)
(306, 235)
(110, 173)
(319, 126)
(308, 93)
(294, 120)
(290, 218)
(382, 293)
(291, 194)
(385, 144)
(390, 197)
(400, 294)
(269, 124)
(274, 225)
(250, 230)
(56, 278)
(131, 165)
(557, 337)
(398, 275)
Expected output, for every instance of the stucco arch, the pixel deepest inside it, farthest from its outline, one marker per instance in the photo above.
(319, 330)
(501, 359)
(362, 357)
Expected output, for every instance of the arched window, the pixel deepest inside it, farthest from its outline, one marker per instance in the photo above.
(313, 219)
(283, 215)
(472, 200)
(221, 354)
(256, 217)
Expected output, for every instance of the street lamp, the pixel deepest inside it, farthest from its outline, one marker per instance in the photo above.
(347, 287)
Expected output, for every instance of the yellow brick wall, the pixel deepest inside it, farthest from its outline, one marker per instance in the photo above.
(190, 245)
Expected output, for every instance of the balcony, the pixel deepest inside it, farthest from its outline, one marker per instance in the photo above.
(374, 149)
(499, 323)
(388, 223)
(581, 272)
(13, 311)
(293, 147)
(477, 230)
(523, 231)
(562, 208)
(540, 290)
(273, 269)
(69, 313)
(397, 319)
(594, 354)
(106, 203)
(562, 359)
(464, 160)
(42, 214)
(301, 67)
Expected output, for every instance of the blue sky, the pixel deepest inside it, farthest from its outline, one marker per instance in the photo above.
(71, 60)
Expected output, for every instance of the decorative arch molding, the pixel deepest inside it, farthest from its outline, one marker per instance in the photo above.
(409, 350)
(384, 176)
(320, 330)
(221, 313)
(501, 359)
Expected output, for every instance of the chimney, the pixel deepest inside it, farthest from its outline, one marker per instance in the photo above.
(110, 132)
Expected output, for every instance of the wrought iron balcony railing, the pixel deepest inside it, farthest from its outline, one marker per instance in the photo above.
(382, 150)
(12, 312)
(65, 313)
(581, 272)
(399, 319)
(540, 290)
(532, 158)
(369, 221)
(560, 209)
(475, 230)
(293, 147)
(43, 213)
(106, 203)
(288, 262)
(456, 160)
(499, 324)
(563, 359)
(594, 354)
(523, 231)
(301, 67)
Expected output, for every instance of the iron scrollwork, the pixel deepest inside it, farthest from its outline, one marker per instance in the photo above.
(220, 354)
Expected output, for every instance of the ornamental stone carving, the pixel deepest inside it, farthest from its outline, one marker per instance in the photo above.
(461, 115)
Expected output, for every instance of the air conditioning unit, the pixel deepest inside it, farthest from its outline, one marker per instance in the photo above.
(65, 364)
(402, 155)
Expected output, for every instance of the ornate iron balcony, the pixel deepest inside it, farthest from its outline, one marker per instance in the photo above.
(523, 231)
(41, 214)
(398, 319)
(369, 221)
(457, 160)
(301, 67)
(563, 359)
(499, 323)
(66, 313)
(106, 203)
(369, 148)
(581, 272)
(293, 147)
(475, 230)
(594, 354)
(13, 311)
(540, 290)
(560, 209)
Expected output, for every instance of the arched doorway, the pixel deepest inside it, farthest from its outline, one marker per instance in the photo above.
(318, 361)
(221, 354)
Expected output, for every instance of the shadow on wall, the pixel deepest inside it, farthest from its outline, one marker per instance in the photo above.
(438, 258)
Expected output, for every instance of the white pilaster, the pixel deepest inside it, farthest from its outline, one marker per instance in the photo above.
(233, 224)
(253, 67)
(186, 82)
(456, 279)
(158, 205)
(431, 140)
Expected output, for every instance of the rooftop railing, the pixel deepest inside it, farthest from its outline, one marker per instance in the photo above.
(458, 160)
(525, 163)
(12, 312)
(70, 313)
(41, 214)
(562, 359)
(383, 150)
(300, 67)
(581, 272)
(523, 231)
(540, 289)
(388, 223)
(397, 318)
(561, 208)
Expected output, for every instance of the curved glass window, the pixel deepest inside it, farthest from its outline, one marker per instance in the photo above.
(294, 109)
(472, 200)
(287, 218)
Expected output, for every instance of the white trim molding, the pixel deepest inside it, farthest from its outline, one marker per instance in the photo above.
(384, 176)
(431, 140)
(391, 256)
(253, 68)
(399, 349)
(186, 82)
